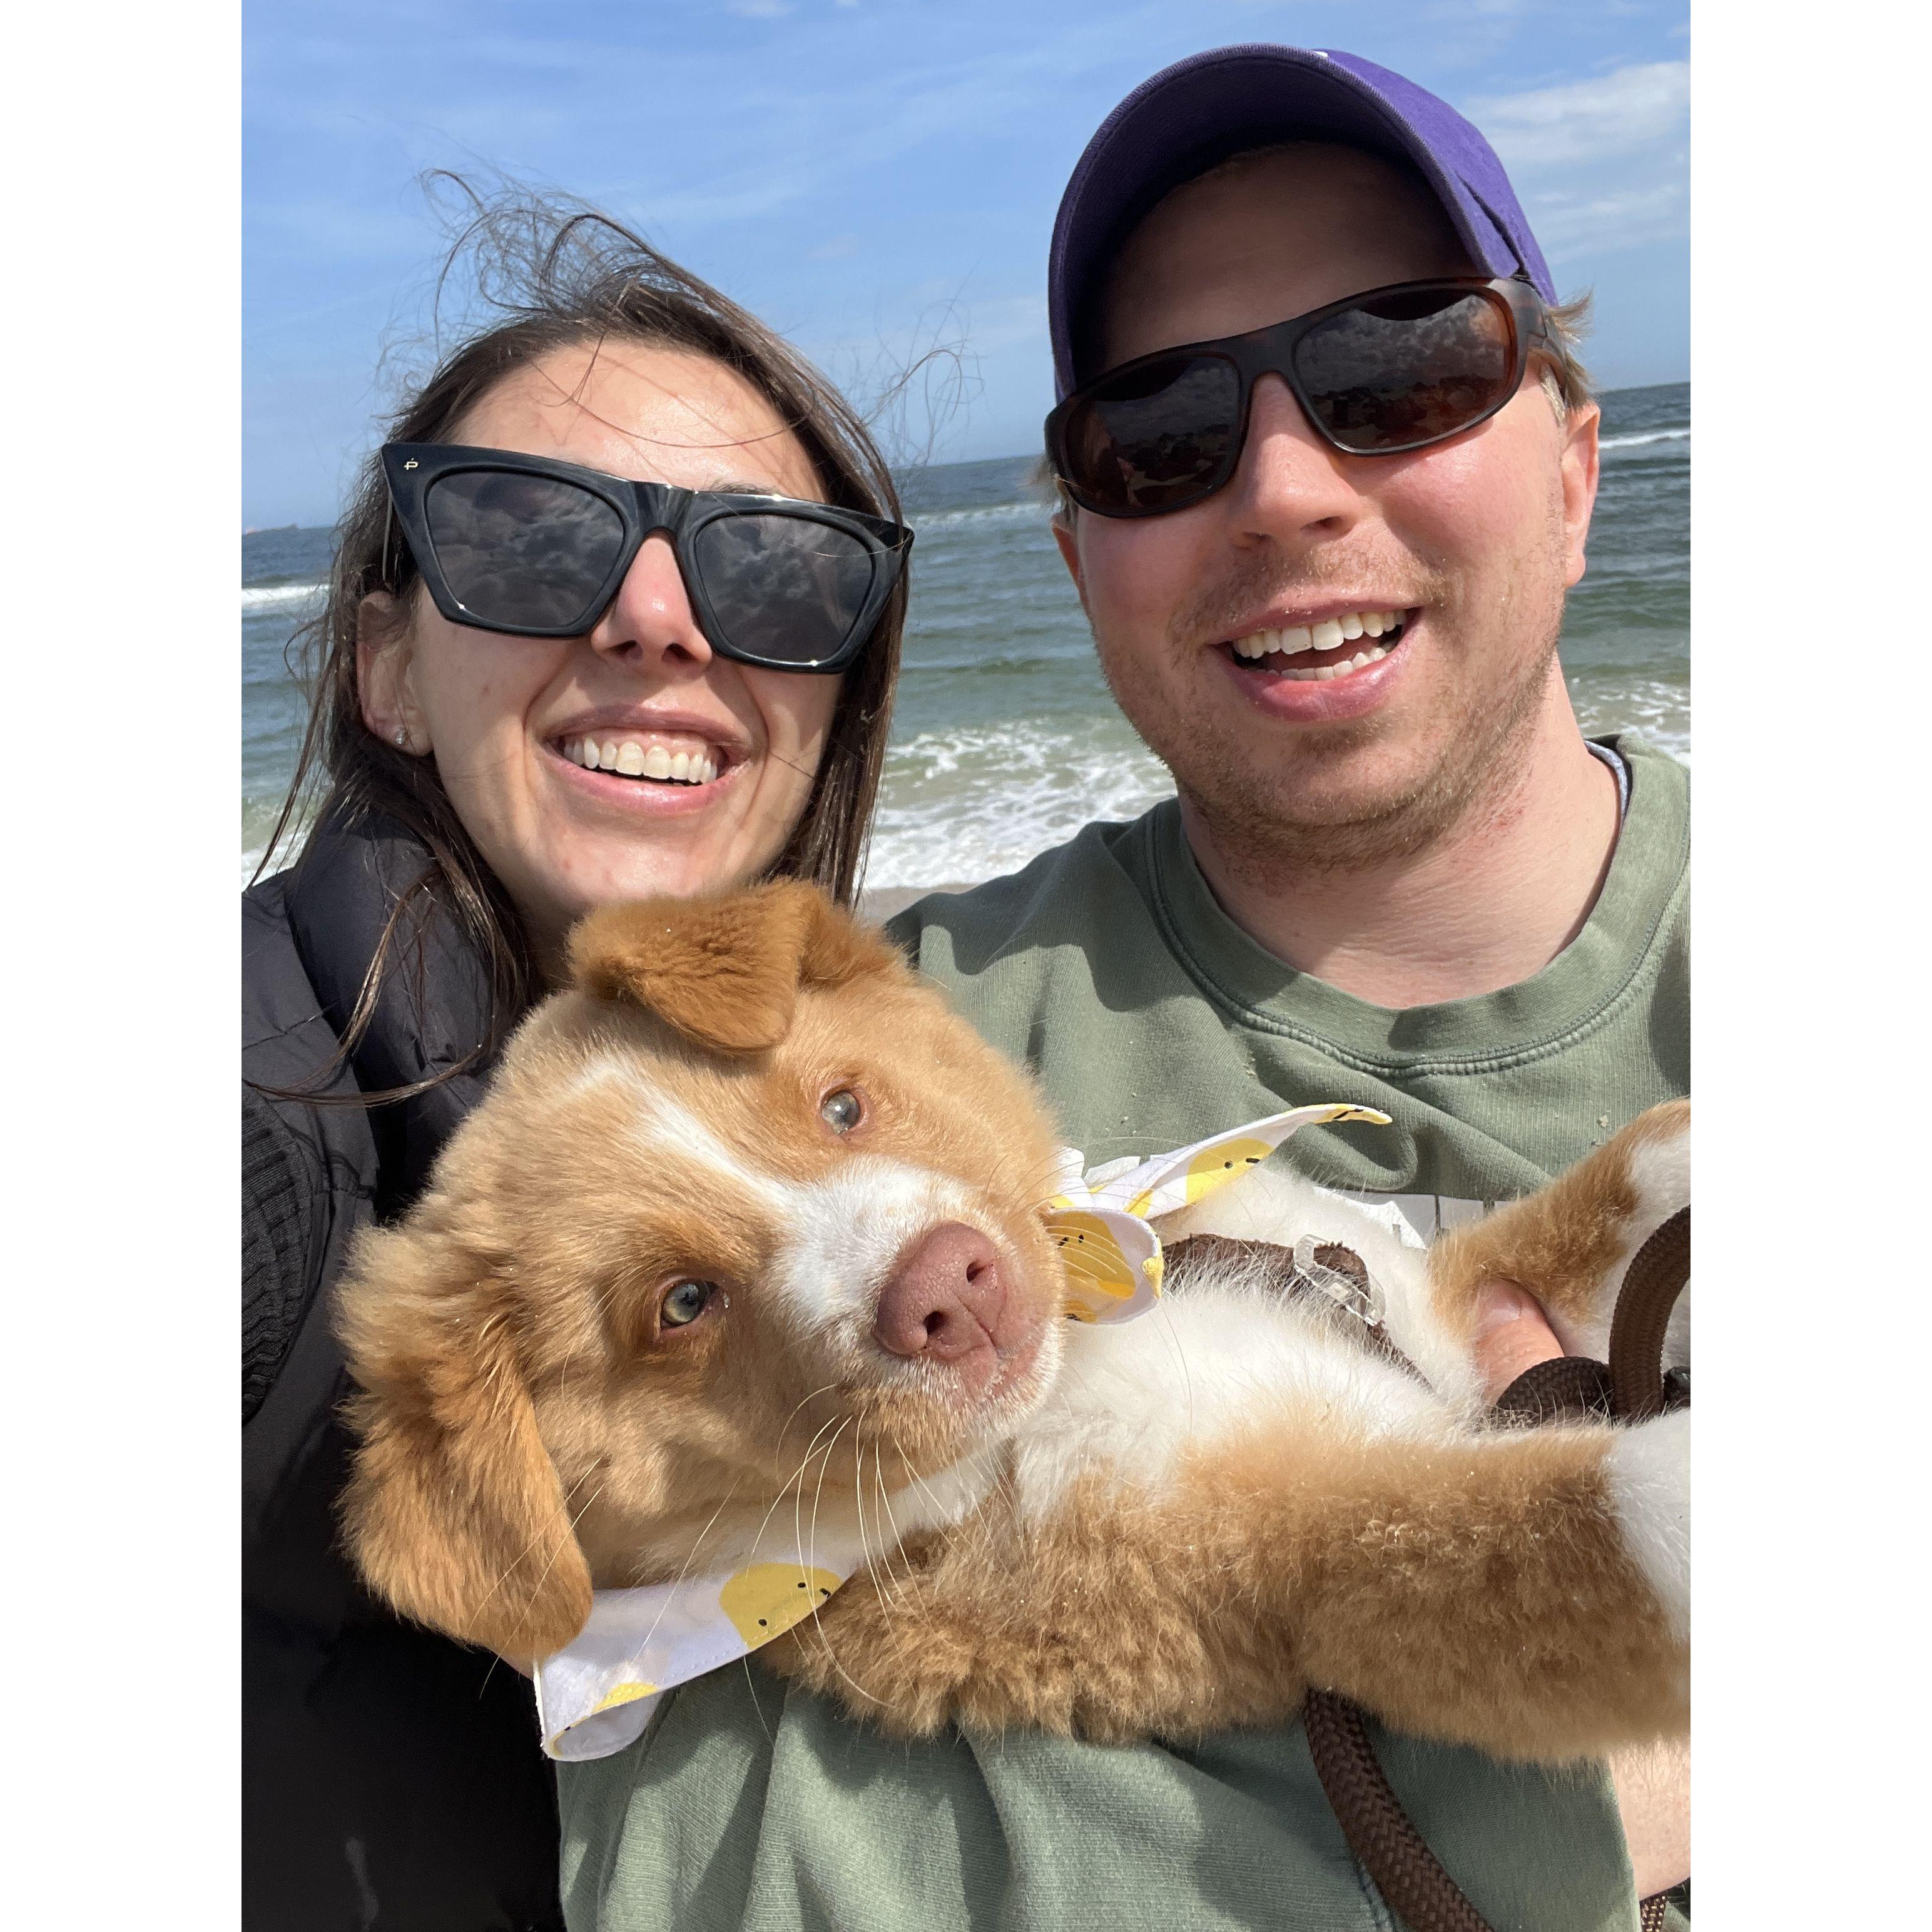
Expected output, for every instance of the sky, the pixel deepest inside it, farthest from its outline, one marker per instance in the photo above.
(876, 178)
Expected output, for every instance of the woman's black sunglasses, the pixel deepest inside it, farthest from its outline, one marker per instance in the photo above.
(1395, 369)
(515, 543)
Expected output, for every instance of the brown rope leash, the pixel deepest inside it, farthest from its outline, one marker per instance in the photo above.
(1631, 1386)
(1651, 1284)
(1408, 1874)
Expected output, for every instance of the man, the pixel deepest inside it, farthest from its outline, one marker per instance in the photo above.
(1325, 567)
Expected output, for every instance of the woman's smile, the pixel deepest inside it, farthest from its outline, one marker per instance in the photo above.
(652, 762)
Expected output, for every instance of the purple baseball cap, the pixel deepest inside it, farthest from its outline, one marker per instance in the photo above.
(1210, 106)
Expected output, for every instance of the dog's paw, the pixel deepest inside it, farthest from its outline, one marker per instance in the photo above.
(900, 1667)
(1648, 1468)
(1657, 1148)
(1659, 1145)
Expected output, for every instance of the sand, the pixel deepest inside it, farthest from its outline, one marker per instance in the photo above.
(882, 901)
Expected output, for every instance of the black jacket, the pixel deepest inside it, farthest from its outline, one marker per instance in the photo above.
(391, 1779)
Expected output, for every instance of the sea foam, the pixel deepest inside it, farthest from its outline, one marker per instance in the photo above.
(1637, 442)
(279, 596)
(972, 803)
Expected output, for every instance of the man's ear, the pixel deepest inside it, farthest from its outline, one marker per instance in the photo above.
(1068, 538)
(726, 971)
(1579, 471)
(454, 1513)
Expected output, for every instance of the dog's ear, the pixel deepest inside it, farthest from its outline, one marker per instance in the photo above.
(726, 971)
(454, 1513)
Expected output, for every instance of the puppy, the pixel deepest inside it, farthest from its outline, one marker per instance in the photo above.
(750, 1221)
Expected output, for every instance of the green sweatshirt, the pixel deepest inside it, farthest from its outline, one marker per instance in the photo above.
(1153, 1021)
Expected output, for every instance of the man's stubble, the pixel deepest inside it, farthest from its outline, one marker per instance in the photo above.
(1268, 831)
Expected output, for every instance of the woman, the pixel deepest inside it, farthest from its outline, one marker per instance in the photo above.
(540, 689)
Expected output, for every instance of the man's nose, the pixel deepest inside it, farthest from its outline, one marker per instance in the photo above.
(650, 621)
(1291, 485)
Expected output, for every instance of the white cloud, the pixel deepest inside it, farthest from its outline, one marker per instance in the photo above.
(1600, 223)
(1623, 112)
(1007, 319)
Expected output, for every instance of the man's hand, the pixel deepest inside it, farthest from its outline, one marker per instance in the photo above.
(1652, 1782)
(1512, 1334)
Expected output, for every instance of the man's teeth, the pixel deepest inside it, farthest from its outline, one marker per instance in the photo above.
(635, 760)
(1329, 634)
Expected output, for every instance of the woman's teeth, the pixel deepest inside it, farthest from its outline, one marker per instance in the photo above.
(632, 760)
(1328, 635)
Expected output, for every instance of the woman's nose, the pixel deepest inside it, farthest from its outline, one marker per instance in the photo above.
(650, 620)
(1291, 485)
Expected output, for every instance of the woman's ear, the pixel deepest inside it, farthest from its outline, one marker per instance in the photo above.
(454, 1513)
(383, 672)
(726, 971)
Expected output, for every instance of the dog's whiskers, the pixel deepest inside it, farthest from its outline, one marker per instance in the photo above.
(826, 1390)
(503, 1576)
(818, 1623)
(569, 1536)
(684, 1570)
(882, 1572)
(796, 1476)
(810, 1551)
(910, 1579)
(865, 1541)
(924, 1487)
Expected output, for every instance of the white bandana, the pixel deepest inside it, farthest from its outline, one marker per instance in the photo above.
(595, 1695)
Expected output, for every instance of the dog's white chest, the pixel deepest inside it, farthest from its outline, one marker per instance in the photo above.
(1200, 1370)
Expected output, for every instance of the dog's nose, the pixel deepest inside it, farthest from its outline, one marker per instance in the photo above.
(945, 1299)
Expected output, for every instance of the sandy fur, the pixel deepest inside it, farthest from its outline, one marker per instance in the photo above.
(1571, 1241)
(1165, 1527)
(1480, 1593)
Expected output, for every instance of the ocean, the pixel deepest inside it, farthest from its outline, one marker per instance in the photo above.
(1005, 741)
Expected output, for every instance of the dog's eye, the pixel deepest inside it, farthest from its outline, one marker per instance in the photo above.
(685, 1302)
(840, 1110)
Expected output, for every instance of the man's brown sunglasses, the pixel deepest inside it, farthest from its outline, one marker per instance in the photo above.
(1396, 369)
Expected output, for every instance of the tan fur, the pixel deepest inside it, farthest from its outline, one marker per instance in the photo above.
(726, 971)
(1562, 1242)
(1488, 1607)
(530, 1428)
(456, 1511)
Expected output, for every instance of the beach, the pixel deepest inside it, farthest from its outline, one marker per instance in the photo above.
(1005, 741)
(879, 903)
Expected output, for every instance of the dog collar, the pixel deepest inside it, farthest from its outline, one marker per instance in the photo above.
(595, 1695)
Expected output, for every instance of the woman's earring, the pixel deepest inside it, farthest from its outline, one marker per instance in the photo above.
(402, 739)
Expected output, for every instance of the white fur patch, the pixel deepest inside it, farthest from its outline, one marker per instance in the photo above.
(1649, 1470)
(1206, 1365)
(1661, 1171)
(1274, 1204)
(843, 1233)
(664, 1125)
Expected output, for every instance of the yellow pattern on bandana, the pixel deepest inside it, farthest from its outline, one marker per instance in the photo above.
(767, 1600)
(1105, 1234)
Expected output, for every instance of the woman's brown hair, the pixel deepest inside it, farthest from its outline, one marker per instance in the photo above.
(556, 275)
